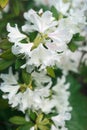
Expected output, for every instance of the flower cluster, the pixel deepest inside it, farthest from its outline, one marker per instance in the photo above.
(34, 89)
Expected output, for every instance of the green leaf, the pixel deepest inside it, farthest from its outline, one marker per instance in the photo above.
(7, 55)
(3, 3)
(78, 37)
(79, 103)
(26, 77)
(3, 104)
(17, 7)
(19, 63)
(72, 46)
(50, 72)
(4, 44)
(55, 12)
(32, 115)
(18, 120)
(5, 64)
(25, 127)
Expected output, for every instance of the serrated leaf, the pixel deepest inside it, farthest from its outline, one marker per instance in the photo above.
(3, 3)
(5, 64)
(50, 72)
(18, 120)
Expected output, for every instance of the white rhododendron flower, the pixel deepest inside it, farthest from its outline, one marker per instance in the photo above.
(37, 99)
(61, 35)
(60, 6)
(70, 60)
(47, 47)
(42, 57)
(14, 34)
(42, 79)
(20, 48)
(42, 23)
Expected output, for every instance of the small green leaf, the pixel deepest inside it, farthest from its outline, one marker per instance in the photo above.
(78, 37)
(55, 12)
(5, 64)
(16, 7)
(25, 127)
(50, 72)
(7, 55)
(19, 63)
(26, 77)
(3, 3)
(18, 120)
(72, 46)
(3, 104)
(5, 44)
(32, 115)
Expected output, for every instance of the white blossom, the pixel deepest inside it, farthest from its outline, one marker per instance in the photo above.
(22, 48)
(40, 78)
(42, 24)
(69, 60)
(60, 5)
(14, 34)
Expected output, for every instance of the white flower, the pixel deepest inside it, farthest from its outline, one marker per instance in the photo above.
(29, 99)
(60, 119)
(22, 48)
(14, 34)
(42, 57)
(78, 3)
(42, 23)
(32, 128)
(75, 17)
(46, 105)
(35, 100)
(69, 60)
(61, 35)
(41, 78)
(54, 128)
(61, 95)
(9, 86)
(60, 5)
(56, 47)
